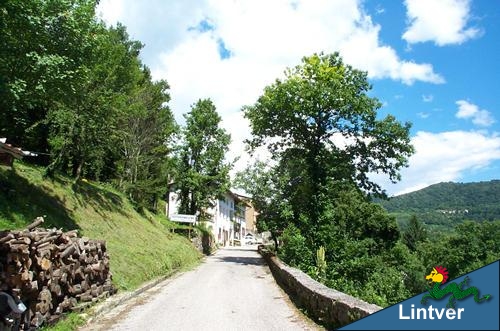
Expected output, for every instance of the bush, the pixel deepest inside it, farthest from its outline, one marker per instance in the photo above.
(295, 252)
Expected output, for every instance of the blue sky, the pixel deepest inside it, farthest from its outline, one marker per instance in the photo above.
(434, 63)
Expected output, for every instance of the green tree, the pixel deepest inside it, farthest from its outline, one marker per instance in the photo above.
(75, 89)
(295, 251)
(414, 233)
(43, 48)
(323, 111)
(321, 125)
(84, 131)
(147, 131)
(470, 246)
(203, 173)
(266, 185)
(322, 130)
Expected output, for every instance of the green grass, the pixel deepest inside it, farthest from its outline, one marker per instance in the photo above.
(140, 247)
(71, 322)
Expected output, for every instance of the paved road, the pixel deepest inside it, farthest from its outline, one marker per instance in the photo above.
(231, 290)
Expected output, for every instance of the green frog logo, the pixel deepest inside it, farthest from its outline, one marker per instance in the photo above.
(438, 276)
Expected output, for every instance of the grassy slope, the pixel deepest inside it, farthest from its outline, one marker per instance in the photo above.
(140, 248)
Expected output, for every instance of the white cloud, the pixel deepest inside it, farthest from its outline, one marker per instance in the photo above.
(423, 115)
(383, 61)
(427, 98)
(111, 11)
(263, 38)
(442, 157)
(379, 9)
(443, 22)
(467, 110)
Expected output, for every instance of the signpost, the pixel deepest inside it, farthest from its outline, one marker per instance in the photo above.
(183, 218)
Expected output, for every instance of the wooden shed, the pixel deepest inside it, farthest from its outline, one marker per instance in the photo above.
(8, 153)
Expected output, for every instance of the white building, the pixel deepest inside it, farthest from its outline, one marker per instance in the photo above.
(227, 220)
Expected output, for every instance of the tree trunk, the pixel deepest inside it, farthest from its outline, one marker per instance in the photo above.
(275, 239)
(77, 169)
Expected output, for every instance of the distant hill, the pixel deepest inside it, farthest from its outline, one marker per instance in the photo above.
(445, 204)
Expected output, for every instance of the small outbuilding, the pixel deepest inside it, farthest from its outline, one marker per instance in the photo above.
(8, 153)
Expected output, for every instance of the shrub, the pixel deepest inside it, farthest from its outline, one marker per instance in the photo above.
(295, 252)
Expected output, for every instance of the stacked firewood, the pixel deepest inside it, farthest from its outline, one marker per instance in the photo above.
(53, 271)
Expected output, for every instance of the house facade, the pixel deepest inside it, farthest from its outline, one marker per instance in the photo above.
(227, 218)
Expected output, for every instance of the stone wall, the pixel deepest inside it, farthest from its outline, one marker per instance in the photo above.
(204, 242)
(327, 306)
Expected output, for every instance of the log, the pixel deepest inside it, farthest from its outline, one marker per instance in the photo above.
(76, 289)
(38, 319)
(97, 267)
(20, 248)
(81, 244)
(44, 301)
(94, 290)
(64, 277)
(85, 285)
(64, 246)
(66, 304)
(52, 319)
(55, 271)
(45, 246)
(47, 239)
(107, 288)
(34, 285)
(8, 237)
(26, 276)
(21, 240)
(85, 297)
(71, 234)
(68, 251)
(55, 289)
(37, 222)
(45, 264)
(38, 234)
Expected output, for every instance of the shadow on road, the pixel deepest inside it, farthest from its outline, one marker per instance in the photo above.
(242, 249)
(244, 260)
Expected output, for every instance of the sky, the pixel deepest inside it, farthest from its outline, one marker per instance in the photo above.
(434, 63)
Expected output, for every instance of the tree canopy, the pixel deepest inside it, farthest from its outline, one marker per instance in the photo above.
(203, 172)
(76, 92)
(322, 129)
(323, 112)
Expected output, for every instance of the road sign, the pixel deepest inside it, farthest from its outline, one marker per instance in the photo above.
(183, 218)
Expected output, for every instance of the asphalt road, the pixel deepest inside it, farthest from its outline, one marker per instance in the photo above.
(231, 290)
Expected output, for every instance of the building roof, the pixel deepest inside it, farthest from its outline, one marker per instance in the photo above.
(9, 149)
(241, 193)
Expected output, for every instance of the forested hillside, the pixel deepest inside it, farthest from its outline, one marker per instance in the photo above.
(446, 204)
(75, 93)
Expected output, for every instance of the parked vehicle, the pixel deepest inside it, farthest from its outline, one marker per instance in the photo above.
(12, 313)
(249, 239)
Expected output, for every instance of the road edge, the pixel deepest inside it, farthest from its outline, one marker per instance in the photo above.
(110, 303)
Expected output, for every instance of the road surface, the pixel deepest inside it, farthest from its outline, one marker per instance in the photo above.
(231, 290)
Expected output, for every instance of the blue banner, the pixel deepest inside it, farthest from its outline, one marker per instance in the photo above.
(475, 305)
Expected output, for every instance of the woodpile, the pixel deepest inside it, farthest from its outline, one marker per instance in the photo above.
(53, 271)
